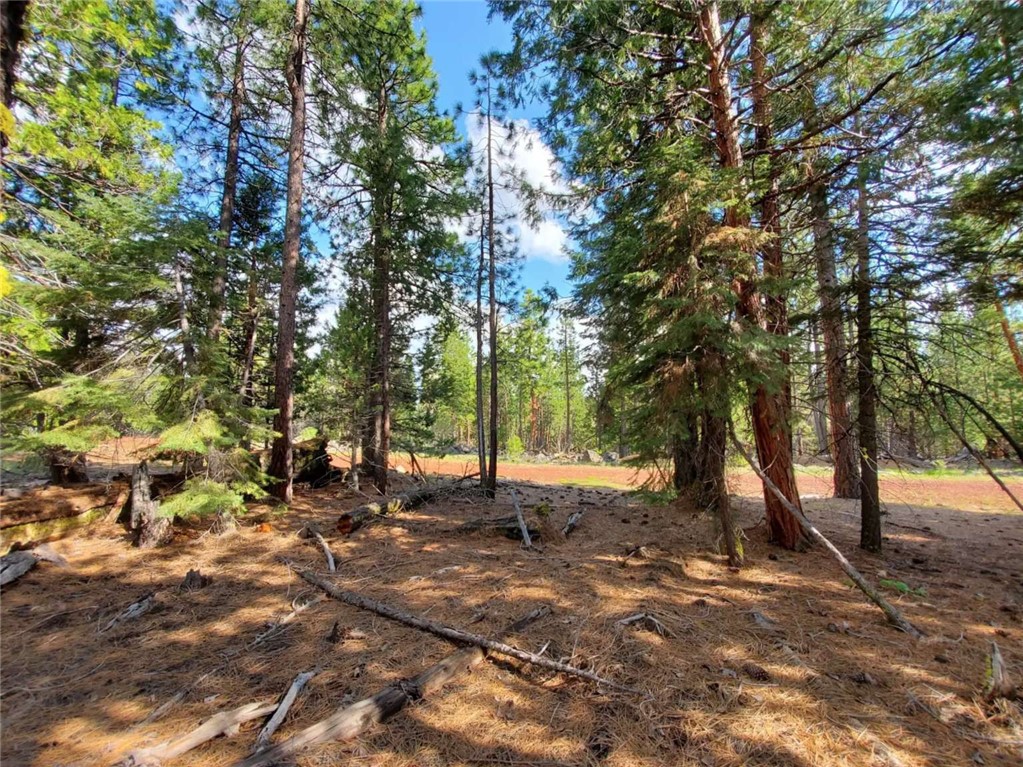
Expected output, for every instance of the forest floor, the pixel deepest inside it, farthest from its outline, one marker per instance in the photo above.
(822, 681)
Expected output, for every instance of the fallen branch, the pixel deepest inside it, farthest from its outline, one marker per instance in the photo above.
(893, 615)
(353, 720)
(449, 633)
(572, 523)
(309, 532)
(526, 540)
(263, 739)
(136, 609)
(274, 630)
(360, 515)
(224, 723)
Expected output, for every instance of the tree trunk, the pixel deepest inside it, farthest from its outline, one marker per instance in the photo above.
(870, 505)
(715, 492)
(284, 379)
(842, 443)
(491, 486)
(768, 409)
(481, 434)
(685, 455)
(12, 32)
(245, 390)
(568, 391)
(818, 396)
(1010, 336)
(776, 311)
(234, 132)
(150, 528)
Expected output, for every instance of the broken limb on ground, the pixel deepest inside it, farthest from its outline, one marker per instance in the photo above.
(781, 663)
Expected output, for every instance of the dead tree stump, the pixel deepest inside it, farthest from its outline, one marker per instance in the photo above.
(151, 530)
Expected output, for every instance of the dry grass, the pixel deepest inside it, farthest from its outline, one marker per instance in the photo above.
(858, 693)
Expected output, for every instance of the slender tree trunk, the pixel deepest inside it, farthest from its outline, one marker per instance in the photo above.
(870, 505)
(842, 443)
(187, 347)
(234, 132)
(1010, 336)
(245, 390)
(568, 393)
(818, 396)
(381, 363)
(284, 379)
(768, 409)
(492, 469)
(481, 434)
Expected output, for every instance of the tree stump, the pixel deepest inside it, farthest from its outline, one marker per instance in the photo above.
(151, 530)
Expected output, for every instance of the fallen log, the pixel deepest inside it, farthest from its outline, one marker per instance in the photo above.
(508, 526)
(447, 632)
(894, 616)
(353, 720)
(17, 563)
(224, 723)
(263, 739)
(360, 515)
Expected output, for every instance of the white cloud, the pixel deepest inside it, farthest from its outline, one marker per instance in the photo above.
(520, 155)
(546, 241)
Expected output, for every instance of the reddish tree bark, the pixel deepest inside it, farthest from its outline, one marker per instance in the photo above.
(768, 408)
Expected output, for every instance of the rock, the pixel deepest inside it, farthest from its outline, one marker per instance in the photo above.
(401, 470)
(592, 456)
(611, 457)
(542, 458)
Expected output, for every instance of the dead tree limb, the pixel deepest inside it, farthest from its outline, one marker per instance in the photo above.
(224, 723)
(136, 609)
(526, 540)
(309, 532)
(263, 739)
(360, 515)
(572, 523)
(947, 418)
(982, 410)
(894, 616)
(353, 720)
(449, 633)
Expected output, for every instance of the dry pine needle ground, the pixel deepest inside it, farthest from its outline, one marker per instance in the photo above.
(814, 677)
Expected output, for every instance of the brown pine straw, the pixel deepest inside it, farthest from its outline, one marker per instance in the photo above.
(842, 689)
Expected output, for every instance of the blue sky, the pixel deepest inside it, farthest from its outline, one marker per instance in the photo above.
(457, 34)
